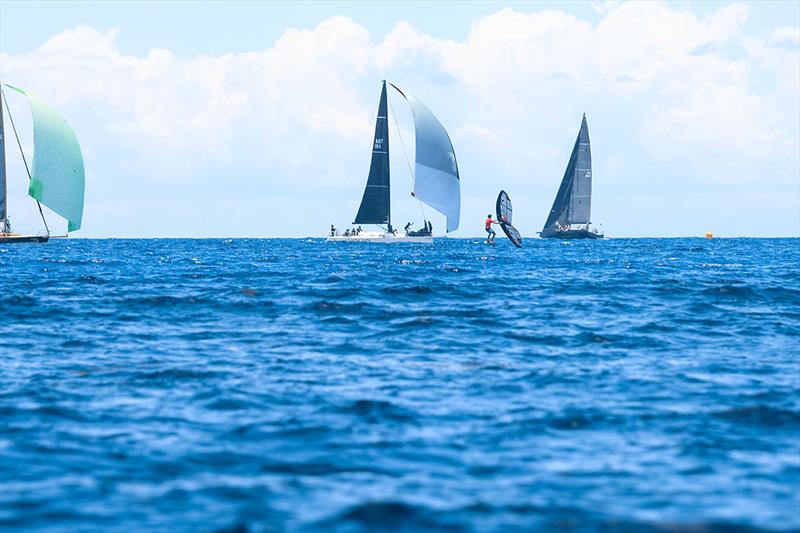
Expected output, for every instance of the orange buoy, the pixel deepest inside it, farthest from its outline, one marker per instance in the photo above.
(709, 235)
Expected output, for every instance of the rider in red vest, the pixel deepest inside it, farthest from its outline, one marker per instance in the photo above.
(489, 229)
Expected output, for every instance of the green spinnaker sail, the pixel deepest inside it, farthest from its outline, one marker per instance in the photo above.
(57, 179)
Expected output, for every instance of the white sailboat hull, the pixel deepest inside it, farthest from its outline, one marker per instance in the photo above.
(12, 238)
(380, 237)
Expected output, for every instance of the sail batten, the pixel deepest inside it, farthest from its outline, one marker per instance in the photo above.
(57, 174)
(375, 204)
(436, 178)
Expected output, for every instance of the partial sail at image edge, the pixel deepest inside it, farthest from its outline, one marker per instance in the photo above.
(57, 174)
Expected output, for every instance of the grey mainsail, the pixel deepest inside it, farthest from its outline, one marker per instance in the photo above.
(573, 203)
(375, 208)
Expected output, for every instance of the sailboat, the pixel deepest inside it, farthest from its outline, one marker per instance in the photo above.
(436, 182)
(56, 179)
(569, 217)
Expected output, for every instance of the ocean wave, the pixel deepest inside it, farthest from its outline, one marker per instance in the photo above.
(288, 385)
(375, 411)
(762, 415)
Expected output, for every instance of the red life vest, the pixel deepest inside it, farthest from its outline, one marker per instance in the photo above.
(489, 222)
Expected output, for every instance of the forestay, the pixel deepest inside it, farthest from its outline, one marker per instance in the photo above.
(57, 176)
(436, 180)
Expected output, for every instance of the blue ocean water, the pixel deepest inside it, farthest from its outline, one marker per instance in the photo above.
(298, 385)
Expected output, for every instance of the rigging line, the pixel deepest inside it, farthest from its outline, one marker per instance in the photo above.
(408, 162)
(14, 127)
(402, 143)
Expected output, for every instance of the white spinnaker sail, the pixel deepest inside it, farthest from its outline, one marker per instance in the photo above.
(436, 181)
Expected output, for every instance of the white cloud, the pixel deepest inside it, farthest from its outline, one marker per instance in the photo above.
(786, 36)
(296, 117)
(690, 93)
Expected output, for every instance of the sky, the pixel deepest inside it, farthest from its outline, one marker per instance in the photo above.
(255, 119)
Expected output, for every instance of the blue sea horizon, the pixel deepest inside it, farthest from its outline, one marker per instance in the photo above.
(296, 385)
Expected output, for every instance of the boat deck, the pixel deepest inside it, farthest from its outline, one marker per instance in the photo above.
(380, 237)
(12, 238)
(571, 234)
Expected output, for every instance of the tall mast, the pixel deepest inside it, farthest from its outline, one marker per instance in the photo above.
(3, 184)
(383, 108)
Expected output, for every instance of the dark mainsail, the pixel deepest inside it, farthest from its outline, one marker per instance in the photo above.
(374, 207)
(573, 203)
